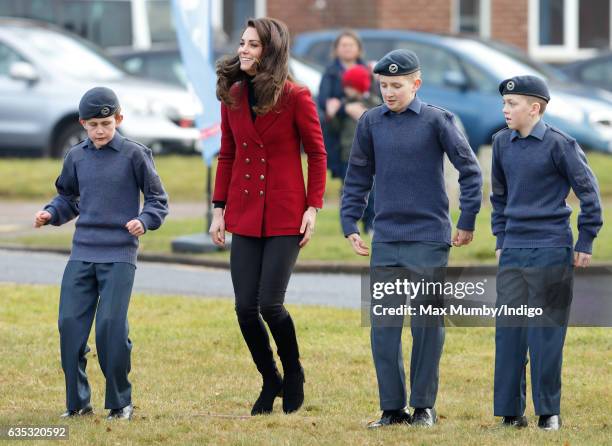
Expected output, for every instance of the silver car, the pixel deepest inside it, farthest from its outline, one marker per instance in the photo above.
(44, 71)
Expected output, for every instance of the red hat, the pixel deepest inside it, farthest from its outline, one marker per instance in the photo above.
(357, 77)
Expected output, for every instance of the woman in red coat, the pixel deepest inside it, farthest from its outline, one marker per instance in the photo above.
(260, 197)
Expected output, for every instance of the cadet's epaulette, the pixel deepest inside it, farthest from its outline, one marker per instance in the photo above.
(369, 113)
(439, 108)
(139, 144)
(79, 144)
(565, 135)
(498, 132)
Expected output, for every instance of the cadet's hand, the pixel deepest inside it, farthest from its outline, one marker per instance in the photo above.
(135, 227)
(498, 254)
(332, 106)
(355, 110)
(582, 259)
(41, 218)
(462, 237)
(358, 245)
(308, 225)
(217, 227)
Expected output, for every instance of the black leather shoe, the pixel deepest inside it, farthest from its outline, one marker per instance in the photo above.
(293, 391)
(389, 417)
(424, 417)
(550, 422)
(87, 410)
(515, 421)
(271, 388)
(124, 413)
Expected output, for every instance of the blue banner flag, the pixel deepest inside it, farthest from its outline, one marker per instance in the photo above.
(193, 23)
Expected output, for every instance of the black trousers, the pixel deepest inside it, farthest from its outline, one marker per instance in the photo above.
(261, 268)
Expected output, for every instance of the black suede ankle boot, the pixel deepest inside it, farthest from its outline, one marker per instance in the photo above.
(256, 338)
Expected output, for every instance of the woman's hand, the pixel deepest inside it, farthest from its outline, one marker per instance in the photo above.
(308, 225)
(217, 227)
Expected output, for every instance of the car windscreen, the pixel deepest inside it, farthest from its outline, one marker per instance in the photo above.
(67, 55)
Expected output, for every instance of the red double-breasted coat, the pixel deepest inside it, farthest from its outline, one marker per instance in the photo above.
(259, 170)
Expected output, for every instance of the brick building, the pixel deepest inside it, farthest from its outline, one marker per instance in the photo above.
(550, 30)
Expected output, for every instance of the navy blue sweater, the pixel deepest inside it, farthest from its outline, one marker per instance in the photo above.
(405, 151)
(531, 179)
(102, 187)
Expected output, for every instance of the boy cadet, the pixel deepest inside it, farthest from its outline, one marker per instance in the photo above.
(403, 143)
(100, 182)
(533, 167)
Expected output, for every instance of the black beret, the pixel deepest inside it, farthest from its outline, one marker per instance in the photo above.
(526, 86)
(397, 63)
(99, 102)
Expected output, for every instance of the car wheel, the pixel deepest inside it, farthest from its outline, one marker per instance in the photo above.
(69, 135)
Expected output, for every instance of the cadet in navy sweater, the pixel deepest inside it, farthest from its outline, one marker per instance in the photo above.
(534, 166)
(403, 143)
(100, 182)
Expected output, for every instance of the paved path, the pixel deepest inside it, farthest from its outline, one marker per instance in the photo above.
(592, 292)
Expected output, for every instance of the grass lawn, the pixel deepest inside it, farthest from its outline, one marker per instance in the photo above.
(184, 177)
(327, 244)
(194, 382)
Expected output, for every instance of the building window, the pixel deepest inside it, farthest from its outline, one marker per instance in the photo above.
(565, 30)
(107, 23)
(160, 21)
(469, 16)
(472, 17)
(551, 22)
(594, 24)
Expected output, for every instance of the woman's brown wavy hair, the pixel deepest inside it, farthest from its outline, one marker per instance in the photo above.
(272, 68)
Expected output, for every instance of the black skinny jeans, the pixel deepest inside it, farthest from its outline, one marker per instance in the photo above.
(261, 268)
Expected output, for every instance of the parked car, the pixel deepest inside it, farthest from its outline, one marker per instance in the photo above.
(163, 63)
(45, 70)
(596, 71)
(462, 74)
